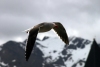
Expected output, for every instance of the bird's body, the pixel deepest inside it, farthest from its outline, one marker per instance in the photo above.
(44, 27)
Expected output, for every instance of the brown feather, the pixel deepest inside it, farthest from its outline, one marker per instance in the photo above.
(60, 30)
(31, 42)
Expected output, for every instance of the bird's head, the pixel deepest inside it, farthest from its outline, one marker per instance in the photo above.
(56, 26)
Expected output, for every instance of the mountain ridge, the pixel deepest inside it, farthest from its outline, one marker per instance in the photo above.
(50, 52)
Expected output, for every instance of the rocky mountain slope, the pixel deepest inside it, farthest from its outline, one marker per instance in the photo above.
(49, 52)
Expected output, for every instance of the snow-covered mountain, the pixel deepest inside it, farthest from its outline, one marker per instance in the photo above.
(49, 52)
(76, 52)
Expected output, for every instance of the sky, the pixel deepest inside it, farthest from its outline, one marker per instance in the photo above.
(79, 17)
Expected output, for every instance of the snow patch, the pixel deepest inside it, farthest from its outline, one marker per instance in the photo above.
(52, 44)
(78, 55)
(3, 64)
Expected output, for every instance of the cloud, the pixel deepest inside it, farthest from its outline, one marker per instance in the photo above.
(80, 18)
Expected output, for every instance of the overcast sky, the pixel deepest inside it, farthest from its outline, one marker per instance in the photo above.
(80, 17)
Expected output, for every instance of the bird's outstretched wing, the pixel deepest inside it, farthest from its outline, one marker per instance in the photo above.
(60, 30)
(31, 42)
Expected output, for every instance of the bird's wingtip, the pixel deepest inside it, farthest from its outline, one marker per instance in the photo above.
(26, 58)
(26, 31)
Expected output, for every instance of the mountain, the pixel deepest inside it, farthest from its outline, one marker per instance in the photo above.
(94, 56)
(49, 52)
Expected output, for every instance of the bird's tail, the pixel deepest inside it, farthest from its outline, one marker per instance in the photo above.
(26, 31)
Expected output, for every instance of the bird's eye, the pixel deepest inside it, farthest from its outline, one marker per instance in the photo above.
(56, 26)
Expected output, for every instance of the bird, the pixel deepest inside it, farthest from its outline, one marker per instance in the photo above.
(44, 27)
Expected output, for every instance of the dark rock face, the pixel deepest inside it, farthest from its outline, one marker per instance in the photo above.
(13, 54)
(45, 38)
(94, 56)
(80, 62)
(78, 43)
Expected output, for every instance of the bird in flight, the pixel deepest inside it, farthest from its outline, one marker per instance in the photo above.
(44, 27)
